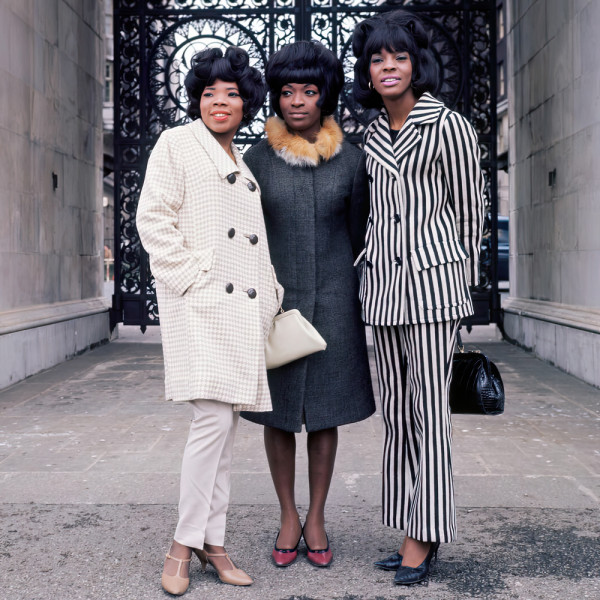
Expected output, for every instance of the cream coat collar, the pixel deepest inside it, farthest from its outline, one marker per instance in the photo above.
(297, 151)
(222, 161)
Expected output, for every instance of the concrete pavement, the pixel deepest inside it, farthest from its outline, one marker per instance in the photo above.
(89, 471)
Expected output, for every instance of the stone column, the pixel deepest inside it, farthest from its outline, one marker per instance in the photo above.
(554, 99)
(51, 230)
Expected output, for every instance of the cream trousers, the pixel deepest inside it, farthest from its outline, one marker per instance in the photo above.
(206, 474)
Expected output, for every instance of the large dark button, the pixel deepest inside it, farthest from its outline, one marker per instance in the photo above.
(229, 288)
(251, 293)
(398, 261)
(231, 177)
(231, 232)
(369, 264)
(251, 186)
(253, 239)
(396, 218)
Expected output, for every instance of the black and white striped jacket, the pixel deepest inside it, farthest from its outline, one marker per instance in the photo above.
(426, 217)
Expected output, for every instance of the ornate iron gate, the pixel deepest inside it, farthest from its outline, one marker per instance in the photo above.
(155, 40)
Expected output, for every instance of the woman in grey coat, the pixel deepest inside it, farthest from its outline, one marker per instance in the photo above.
(315, 202)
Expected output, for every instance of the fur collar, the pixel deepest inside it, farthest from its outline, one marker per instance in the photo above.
(298, 152)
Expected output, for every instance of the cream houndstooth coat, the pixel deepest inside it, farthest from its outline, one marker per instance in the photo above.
(200, 219)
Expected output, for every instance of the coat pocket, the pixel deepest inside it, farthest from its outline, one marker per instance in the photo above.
(438, 253)
(206, 261)
(439, 274)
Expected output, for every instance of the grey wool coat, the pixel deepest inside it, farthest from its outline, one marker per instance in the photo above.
(315, 202)
(200, 219)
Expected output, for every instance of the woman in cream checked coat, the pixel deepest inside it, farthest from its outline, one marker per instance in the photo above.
(200, 220)
(421, 255)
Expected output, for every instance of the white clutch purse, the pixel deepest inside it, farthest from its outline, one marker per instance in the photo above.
(291, 337)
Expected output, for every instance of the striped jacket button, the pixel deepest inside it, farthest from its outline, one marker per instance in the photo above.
(229, 288)
(398, 261)
(251, 293)
(397, 218)
(231, 177)
(369, 264)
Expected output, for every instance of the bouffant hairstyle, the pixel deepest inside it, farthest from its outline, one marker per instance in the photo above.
(397, 31)
(234, 66)
(306, 62)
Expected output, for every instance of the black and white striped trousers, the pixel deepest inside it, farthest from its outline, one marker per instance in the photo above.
(414, 367)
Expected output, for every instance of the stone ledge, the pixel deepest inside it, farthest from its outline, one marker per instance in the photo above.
(577, 317)
(48, 314)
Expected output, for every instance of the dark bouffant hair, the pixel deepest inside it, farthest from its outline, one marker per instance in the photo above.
(210, 65)
(306, 62)
(397, 31)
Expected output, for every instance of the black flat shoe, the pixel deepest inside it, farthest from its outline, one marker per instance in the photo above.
(391, 563)
(410, 575)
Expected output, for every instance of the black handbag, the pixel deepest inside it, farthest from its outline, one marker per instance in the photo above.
(476, 386)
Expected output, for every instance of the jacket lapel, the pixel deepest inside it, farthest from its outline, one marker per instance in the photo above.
(426, 111)
(378, 143)
(223, 163)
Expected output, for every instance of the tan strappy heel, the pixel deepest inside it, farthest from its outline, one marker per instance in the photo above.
(176, 584)
(233, 576)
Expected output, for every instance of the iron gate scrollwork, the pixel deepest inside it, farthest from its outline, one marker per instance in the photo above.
(155, 40)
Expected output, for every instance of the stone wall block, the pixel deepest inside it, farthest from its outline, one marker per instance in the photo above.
(73, 189)
(575, 352)
(545, 340)
(91, 276)
(567, 228)
(14, 97)
(521, 196)
(559, 53)
(586, 25)
(520, 7)
(28, 225)
(523, 140)
(554, 119)
(87, 48)
(540, 192)
(89, 234)
(20, 49)
(94, 18)
(586, 92)
(532, 30)
(15, 163)
(588, 220)
(542, 230)
(579, 276)
(43, 124)
(537, 121)
(6, 18)
(538, 73)
(558, 13)
(67, 80)
(521, 277)
(68, 24)
(45, 22)
(568, 109)
(546, 275)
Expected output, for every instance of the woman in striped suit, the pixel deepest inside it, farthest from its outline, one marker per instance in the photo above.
(422, 253)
